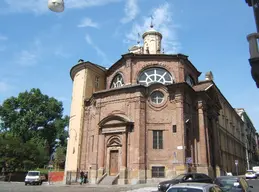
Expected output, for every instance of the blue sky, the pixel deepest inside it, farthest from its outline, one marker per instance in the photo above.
(38, 47)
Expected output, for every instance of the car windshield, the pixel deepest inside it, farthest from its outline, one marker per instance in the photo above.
(184, 190)
(179, 177)
(228, 183)
(33, 173)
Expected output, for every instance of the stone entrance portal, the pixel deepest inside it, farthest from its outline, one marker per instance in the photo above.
(114, 167)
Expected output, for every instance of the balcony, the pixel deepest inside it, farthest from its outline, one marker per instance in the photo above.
(254, 56)
(253, 42)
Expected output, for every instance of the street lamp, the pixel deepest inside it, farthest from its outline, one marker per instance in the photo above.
(253, 43)
(56, 5)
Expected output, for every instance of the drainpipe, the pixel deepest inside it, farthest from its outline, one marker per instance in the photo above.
(145, 141)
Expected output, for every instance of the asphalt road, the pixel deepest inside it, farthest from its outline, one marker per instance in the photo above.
(20, 187)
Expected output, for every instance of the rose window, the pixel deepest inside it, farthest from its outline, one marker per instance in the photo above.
(157, 97)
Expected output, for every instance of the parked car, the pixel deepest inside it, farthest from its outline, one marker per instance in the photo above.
(250, 174)
(33, 177)
(188, 177)
(194, 187)
(232, 184)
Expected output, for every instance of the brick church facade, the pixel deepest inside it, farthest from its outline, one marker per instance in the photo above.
(147, 116)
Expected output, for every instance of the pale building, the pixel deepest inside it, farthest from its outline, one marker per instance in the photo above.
(145, 117)
(250, 139)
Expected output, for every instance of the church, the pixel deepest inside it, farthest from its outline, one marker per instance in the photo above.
(148, 117)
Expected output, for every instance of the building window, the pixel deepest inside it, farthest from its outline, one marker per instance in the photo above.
(158, 172)
(92, 143)
(157, 139)
(97, 79)
(155, 75)
(117, 81)
(157, 97)
(189, 80)
(174, 128)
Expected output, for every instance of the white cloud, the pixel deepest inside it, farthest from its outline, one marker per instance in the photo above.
(31, 56)
(163, 22)
(3, 38)
(27, 58)
(4, 87)
(87, 3)
(40, 6)
(2, 48)
(60, 52)
(99, 52)
(131, 10)
(87, 22)
(36, 6)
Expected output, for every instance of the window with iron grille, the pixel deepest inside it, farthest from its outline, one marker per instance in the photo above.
(158, 139)
(158, 172)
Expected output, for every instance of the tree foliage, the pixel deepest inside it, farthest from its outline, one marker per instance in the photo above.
(30, 125)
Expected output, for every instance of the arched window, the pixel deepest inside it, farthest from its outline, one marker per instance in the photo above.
(190, 80)
(155, 75)
(117, 81)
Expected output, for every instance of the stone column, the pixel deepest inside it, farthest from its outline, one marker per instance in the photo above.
(181, 168)
(202, 142)
(217, 152)
(101, 152)
(123, 168)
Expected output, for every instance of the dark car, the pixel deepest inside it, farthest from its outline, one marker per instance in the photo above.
(232, 184)
(188, 177)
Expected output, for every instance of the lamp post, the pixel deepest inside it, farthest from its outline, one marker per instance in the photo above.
(56, 5)
(253, 43)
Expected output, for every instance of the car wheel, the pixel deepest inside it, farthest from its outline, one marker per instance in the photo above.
(25, 183)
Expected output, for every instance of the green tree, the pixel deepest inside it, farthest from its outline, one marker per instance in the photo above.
(60, 157)
(34, 121)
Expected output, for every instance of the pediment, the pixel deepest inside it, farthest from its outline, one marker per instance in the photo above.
(114, 121)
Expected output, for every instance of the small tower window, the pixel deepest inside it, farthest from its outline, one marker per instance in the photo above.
(117, 81)
(97, 79)
(174, 129)
(189, 80)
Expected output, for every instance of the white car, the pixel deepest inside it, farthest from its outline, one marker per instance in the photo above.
(250, 174)
(32, 178)
(195, 187)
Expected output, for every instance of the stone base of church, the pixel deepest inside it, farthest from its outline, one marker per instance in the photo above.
(123, 176)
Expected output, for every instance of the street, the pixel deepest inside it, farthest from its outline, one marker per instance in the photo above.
(20, 187)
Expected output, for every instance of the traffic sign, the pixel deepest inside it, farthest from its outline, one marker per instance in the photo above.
(188, 160)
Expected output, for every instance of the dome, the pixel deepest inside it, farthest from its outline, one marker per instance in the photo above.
(56, 5)
(151, 31)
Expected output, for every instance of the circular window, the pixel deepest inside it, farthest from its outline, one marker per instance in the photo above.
(157, 97)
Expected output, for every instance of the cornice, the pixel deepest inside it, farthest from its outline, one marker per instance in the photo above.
(86, 65)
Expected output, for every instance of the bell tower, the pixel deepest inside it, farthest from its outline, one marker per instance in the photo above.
(152, 40)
